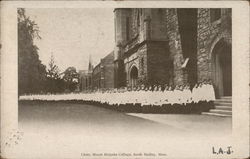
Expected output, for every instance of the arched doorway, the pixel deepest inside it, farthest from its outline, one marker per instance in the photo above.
(133, 76)
(222, 69)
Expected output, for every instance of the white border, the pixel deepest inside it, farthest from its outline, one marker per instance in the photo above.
(240, 55)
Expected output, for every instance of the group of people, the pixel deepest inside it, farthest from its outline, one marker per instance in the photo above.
(147, 99)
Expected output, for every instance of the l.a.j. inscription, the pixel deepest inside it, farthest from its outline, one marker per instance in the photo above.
(228, 150)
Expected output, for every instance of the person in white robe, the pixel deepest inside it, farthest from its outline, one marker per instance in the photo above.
(170, 96)
(195, 93)
(158, 96)
(177, 95)
(150, 94)
(146, 106)
(188, 94)
(211, 91)
(141, 95)
(144, 97)
(165, 99)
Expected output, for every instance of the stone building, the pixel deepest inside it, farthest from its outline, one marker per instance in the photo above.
(173, 46)
(214, 49)
(103, 73)
(141, 51)
(82, 76)
(85, 77)
(99, 77)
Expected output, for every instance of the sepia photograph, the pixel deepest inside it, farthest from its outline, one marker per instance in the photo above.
(124, 82)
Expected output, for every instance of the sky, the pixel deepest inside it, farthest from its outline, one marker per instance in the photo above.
(72, 35)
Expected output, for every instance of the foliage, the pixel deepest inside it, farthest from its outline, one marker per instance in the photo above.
(31, 72)
(33, 77)
(54, 82)
(71, 78)
(53, 70)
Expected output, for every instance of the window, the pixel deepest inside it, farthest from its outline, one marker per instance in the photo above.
(141, 12)
(138, 19)
(127, 28)
(215, 14)
(142, 65)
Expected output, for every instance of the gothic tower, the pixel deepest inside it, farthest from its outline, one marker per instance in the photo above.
(90, 68)
(122, 26)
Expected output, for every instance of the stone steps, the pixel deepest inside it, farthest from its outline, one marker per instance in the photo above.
(222, 107)
(223, 104)
(216, 114)
(221, 111)
(226, 97)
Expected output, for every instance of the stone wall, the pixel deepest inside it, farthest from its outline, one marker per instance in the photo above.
(103, 73)
(97, 77)
(142, 63)
(158, 62)
(108, 70)
(132, 60)
(121, 18)
(152, 61)
(174, 39)
(149, 28)
(145, 21)
(148, 33)
(209, 33)
(157, 25)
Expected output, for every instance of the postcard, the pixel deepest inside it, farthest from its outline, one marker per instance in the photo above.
(124, 79)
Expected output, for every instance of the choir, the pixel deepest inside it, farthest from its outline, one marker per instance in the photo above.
(155, 99)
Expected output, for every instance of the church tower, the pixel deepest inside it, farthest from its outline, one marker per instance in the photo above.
(122, 35)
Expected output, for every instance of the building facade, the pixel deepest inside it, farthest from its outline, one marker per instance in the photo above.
(141, 51)
(85, 80)
(99, 77)
(108, 70)
(168, 46)
(214, 49)
(85, 77)
(173, 46)
(103, 73)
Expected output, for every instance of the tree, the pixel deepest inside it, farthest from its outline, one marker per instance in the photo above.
(70, 78)
(31, 72)
(54, 83)
(53, 70)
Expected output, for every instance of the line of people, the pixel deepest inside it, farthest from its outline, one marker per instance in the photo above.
(152, 99)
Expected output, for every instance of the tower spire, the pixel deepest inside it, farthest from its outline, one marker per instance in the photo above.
(90, 69)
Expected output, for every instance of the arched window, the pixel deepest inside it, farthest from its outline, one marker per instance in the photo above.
(133, 76)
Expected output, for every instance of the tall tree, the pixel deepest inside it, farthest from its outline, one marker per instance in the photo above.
(31, 72)
(53, 70)
(55, 83)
